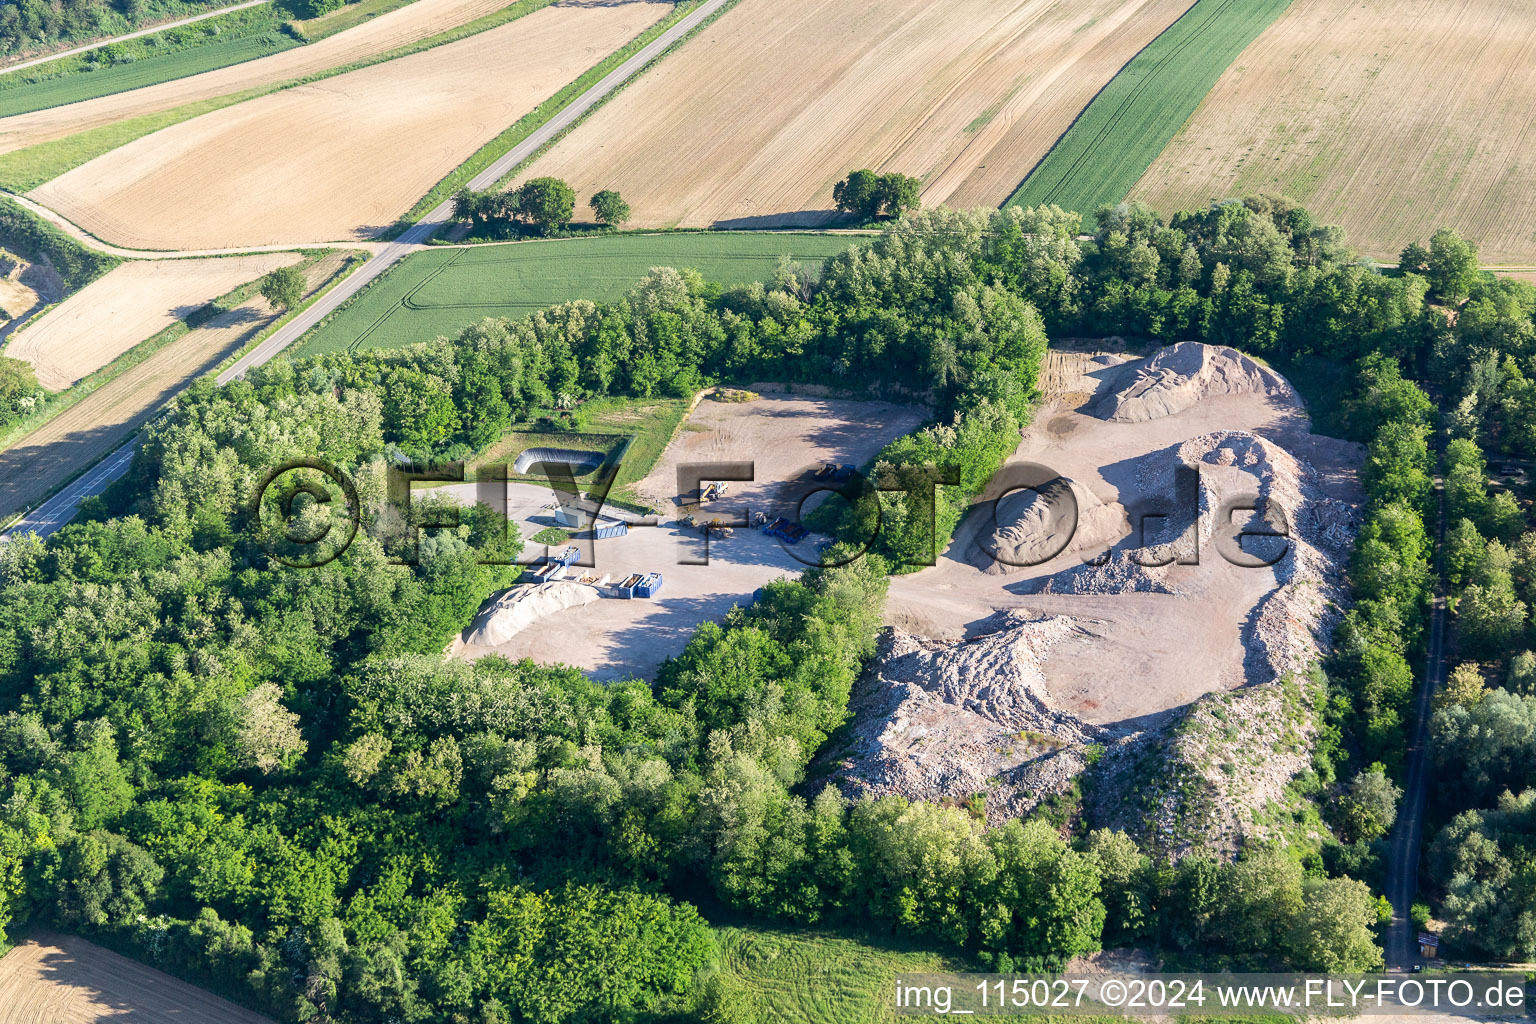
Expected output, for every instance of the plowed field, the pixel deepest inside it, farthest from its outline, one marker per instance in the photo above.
(386, 32)
(1390, 117)
(344, 157)
(61, 979)
(131, 303)
(753, 121)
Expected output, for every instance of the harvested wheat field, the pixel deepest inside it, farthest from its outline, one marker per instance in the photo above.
(343, 158)
(1390, 117)
(61, 979)
(51, 455)
(132, 302)
(753, 121)
(397, 28)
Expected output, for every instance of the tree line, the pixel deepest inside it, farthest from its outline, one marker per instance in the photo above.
(542, 204)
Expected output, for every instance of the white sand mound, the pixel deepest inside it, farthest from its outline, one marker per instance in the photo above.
(1174, 378)
(514, 610)
(1033, 525)
(936, 720)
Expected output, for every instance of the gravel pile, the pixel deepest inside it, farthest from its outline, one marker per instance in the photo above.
(1033, 525)
(512, 611)
(1176, 377)
(947, 721)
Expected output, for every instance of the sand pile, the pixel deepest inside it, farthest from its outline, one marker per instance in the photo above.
(1175, 378)
(1034, 525)
(936, 720)
(512, 611)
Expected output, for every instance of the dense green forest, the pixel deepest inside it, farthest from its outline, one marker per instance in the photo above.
(269, 781)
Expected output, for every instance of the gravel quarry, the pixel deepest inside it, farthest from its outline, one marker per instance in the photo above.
(1133, 617)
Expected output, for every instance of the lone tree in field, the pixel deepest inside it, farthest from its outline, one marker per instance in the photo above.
(899, 194)
(609, 207)
(283, 287)
(1452, 267)
(547, 202)
(858, 193)
(870, 195)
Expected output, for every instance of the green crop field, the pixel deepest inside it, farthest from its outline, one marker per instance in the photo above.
(88, 84)
(1117, 136)
(174, 53)
(439, 293)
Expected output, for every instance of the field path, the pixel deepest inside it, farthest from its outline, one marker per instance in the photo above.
(59, 509)
(400, 27)
(63, 979)
(151, 30)
(103, 420)
(1406, 843)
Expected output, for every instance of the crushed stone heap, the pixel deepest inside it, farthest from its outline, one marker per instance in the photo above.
(1176, 377)
(936, 720)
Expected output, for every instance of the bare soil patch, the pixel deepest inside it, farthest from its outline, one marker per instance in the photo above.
(131, 303)
(397, 28)
(1390, 117)
(96, 424)
(345, 157)
(62, 979)
(753, 121)
(783, 435)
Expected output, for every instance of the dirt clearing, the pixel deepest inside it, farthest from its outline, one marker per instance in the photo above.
(1391, 118)
(400, 27)
(61, 979)
(96, 424)
(1146, 640)
(343, 158)
(133, 302)
(999, 679)
(753, 121)
(783, 435)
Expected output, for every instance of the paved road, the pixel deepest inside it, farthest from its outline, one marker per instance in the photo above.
(59, 509)
(131, 35)
(1407, 839)
(413, 238)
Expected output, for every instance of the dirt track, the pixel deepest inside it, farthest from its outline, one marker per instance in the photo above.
(133, 302)
(343, 158)
(1390, 117)
(62, 979)
(380, 35)
(753, 121)
(99, 422)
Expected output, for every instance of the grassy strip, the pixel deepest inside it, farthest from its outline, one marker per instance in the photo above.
(25, 169)
(59, 401)
(1118, 135)
(531, 122)
(444, 290)
(825, 977)
(354, 260)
